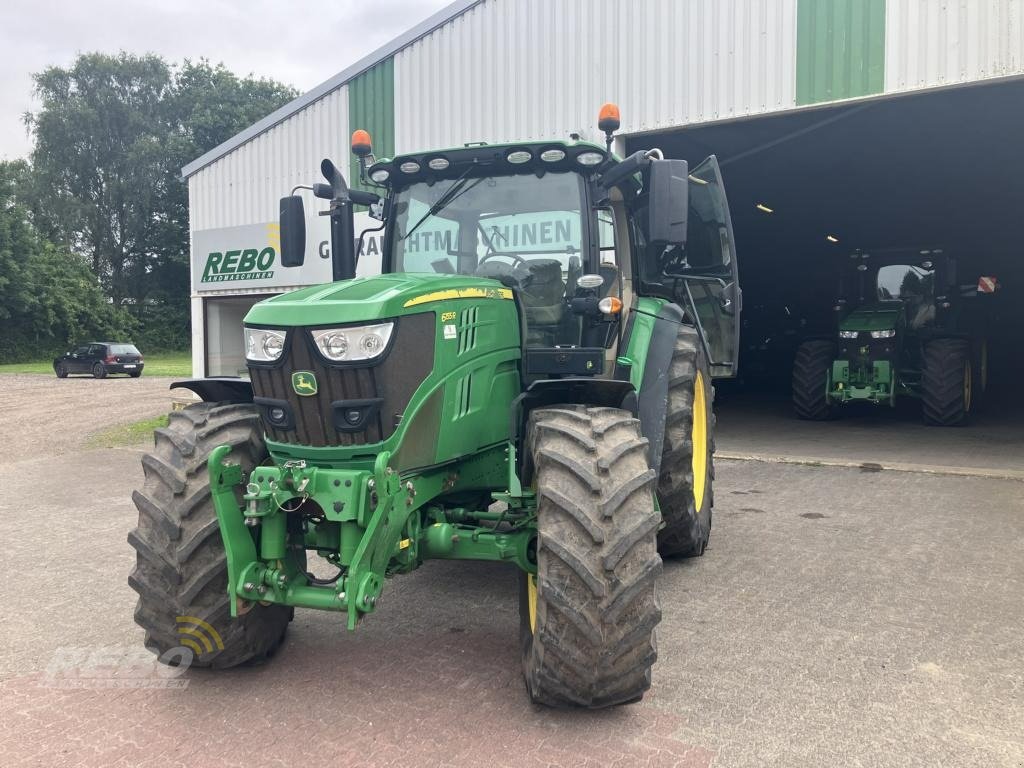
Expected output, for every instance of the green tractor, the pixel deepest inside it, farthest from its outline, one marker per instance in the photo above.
(906, 327)
(528, 381)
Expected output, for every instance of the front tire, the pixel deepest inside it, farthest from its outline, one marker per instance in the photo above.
(947, 382)
(810, 380)
(99, 371)
(687, 470)
(588, 618)
(181, 570)
(61, 370)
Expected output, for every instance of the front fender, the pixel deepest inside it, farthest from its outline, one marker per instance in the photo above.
(219, 389)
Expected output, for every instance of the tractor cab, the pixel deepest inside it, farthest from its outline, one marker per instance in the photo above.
(905, 328)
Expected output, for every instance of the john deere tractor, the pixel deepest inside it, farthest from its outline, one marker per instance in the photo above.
(529, 381)
(906, 327)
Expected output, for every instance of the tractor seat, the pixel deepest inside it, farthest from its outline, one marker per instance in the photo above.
(543, 293)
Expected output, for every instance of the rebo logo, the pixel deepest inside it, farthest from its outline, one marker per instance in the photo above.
(248, 264)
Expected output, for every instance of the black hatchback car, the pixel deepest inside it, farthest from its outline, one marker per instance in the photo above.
(100, 358)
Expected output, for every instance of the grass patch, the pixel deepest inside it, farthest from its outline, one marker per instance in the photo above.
(157, 364)
(128, 434)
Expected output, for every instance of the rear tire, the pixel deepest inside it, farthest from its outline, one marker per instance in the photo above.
(947, 382)
(588, 618)
(99, 371)
(810, 380)
(181, 570)
(61, 370)
(979, 369)
(687, 471)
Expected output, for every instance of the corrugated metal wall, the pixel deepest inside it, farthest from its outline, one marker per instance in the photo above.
(943, 42)
(532, 69)
(244, 186)
(371, 106)
(840, 49)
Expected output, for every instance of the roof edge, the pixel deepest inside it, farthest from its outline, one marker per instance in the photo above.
(404, 40)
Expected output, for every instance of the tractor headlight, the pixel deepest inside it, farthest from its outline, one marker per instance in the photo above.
(848, 334)
(363, 342)
(887, 334)
(263, 345)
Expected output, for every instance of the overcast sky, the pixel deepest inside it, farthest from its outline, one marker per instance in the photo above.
(299, 42)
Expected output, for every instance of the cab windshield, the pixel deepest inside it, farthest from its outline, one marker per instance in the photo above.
(489, 225)
(906, 282)
(524, 230)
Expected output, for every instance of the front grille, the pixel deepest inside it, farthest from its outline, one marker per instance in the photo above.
(388, 385)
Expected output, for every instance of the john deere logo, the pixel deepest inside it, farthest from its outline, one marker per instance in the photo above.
(304, 383)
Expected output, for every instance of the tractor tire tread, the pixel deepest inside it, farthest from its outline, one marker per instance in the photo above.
(942, 382)
(181, 568)
(810, 378)
(583, 653)
(684, 533)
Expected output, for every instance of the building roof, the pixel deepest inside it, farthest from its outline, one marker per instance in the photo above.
(404, 40)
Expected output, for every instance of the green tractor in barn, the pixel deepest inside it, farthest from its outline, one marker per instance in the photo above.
(906, 327)
(528, 381)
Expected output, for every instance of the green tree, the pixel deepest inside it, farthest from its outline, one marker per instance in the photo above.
(49, 298)
(110, 138)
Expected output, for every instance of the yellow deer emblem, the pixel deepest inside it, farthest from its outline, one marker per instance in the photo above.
(304, 383)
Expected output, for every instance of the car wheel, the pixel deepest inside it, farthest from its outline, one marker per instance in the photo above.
(99, 371)
(61, 370)
(135, 374)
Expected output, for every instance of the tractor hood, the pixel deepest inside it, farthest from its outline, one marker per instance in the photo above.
(879, 316)
(371, 298)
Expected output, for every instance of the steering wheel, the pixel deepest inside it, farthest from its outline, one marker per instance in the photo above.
(516, 258)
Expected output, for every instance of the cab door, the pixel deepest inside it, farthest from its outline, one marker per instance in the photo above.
(708, 276)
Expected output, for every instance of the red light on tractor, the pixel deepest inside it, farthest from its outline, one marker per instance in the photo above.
(361, 145)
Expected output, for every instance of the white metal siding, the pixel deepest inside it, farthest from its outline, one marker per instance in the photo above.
(244, 186)
(943, 42)
(535, 69)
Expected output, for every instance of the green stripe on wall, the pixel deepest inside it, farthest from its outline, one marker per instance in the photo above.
(371, 106)
(840, 49)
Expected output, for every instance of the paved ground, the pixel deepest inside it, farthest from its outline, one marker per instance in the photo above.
(762, 424)
(839, 617)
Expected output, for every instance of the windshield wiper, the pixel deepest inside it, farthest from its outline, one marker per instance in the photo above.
(446, 199)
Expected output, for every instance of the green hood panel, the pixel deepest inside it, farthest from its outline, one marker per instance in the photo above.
(873, 317)
(371, 298)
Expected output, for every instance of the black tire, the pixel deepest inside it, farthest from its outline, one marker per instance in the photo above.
(687, 518)
(180, 568)
(810, 379)
(979, 370)
(591, 641)
(947, 382)
(61, 370)
(135, 374)
(99, 371)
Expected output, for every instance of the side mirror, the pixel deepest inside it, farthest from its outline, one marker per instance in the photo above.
(293, 231)
(668, 202)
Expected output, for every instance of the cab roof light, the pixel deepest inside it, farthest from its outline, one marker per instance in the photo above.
(608, 121)
(361, 144)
